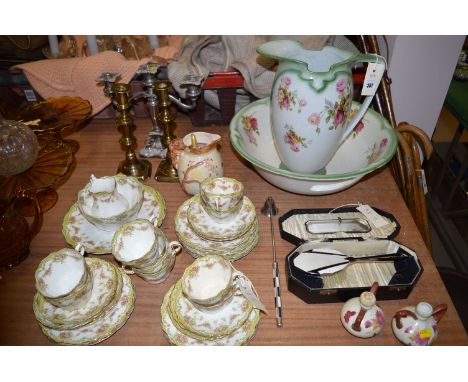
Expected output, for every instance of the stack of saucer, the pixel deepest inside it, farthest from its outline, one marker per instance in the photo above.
(104, 205)
(205, 308)
(70, 320)
(219, 221)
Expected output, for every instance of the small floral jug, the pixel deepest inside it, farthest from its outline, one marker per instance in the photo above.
(196, 158)
(418, 325)
(361, 316)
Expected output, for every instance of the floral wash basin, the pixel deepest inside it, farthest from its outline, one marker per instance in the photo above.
(370, 146)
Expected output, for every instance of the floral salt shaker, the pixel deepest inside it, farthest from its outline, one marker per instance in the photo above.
(418, 325)
(361, 316)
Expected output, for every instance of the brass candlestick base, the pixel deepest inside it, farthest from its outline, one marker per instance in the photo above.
(131, 166)
(142, 170)
(166, 173)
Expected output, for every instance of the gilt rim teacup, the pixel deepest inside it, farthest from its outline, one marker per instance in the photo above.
(162, 267)
(63, 277)
(221, 197)
(138, 242)
(208, 281)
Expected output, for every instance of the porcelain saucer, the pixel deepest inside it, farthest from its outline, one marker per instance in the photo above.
(76, 229)
(197, 246)
(241, 336)
(106, 289)
(203, 225)
(208, 325)
(102, 328)
(231, 255)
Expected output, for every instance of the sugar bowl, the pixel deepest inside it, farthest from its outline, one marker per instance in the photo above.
(110, 201)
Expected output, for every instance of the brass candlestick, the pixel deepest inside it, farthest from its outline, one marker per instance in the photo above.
(159, 101)
(131, 166)
(166, 171)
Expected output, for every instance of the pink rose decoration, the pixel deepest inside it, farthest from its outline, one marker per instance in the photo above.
(251, 137)
(421, 341)
(302, 103)
(286, 102)
(359, 127)
(314, 119)
(383, 143)
(341, 85)
(348, 315)
(338, 118)
(287, 81)
(380, 318)
(295, 149)
(253, 122)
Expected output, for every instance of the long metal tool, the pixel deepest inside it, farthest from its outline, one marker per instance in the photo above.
(269, 209)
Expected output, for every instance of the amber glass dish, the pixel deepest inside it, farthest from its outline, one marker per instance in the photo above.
(53, 164)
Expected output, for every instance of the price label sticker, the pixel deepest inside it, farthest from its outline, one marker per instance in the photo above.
(245, 286)
(376, 219)
(425, 333)
(374, 74)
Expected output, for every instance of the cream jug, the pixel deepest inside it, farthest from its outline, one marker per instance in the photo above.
(310, 102)
(196, 158)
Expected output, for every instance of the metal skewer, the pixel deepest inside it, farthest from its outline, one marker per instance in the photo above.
(269, 209)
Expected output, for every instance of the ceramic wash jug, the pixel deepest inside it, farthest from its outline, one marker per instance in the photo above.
(310, 103)
(417, 325)
(196, 158)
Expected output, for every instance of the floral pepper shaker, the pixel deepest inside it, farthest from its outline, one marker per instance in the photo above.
(361, 316)
(418, 325)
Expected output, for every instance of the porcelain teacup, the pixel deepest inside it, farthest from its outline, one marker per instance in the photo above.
(138, 242)
(63, 278)
(222, 197)
(143, 249)
(209, 282)
(161, 268)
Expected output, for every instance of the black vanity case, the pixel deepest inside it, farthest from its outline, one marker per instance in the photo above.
(347, 231)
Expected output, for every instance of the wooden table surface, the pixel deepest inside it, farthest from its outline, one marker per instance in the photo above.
(304, 324)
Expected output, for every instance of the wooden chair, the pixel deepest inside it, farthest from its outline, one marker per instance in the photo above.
(406, 166)
(410, 139)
